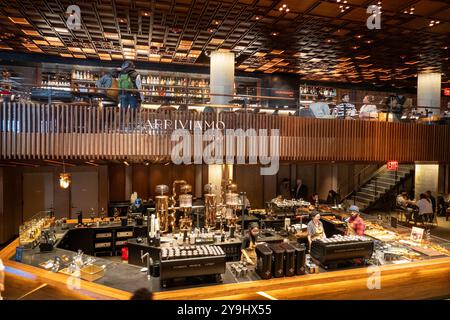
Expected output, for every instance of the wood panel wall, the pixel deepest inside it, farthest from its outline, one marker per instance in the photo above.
(10, 203)
(79, 132)
(116, 175)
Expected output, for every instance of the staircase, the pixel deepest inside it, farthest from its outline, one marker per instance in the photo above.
(379, 185)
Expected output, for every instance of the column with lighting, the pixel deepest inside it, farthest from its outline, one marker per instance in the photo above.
(429, 92)
(221, 77)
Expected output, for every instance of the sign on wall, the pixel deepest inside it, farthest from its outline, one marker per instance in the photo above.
(392, 165)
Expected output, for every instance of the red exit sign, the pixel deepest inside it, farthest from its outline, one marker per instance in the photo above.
(446, 91)
(392, 165)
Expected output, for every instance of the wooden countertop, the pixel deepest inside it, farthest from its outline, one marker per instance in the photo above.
(418, 280)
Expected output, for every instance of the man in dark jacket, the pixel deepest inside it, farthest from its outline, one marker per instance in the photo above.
(300, 191)
(432, 199)
(130, 86)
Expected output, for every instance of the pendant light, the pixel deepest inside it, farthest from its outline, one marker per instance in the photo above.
(64, 178)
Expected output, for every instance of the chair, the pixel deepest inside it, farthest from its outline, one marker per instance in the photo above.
(404, 214)
(447, 213)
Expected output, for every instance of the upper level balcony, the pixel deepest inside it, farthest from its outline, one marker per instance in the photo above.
(35, 131)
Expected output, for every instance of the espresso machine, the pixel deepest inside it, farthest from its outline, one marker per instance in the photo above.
(166, 220)
(211, 206)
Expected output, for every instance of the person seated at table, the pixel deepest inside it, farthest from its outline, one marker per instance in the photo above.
(315, 228)
(355, 224)
(368, 111)
(425, 208)
(404, 203)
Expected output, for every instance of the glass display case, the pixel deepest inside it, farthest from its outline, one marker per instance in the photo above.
(30, 232)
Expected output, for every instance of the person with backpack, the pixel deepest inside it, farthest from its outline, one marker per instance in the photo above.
(130, 86)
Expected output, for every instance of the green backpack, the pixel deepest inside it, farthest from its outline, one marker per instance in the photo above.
(125, 82)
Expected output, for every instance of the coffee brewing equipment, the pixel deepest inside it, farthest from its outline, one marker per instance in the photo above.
(211, 206)
(232, 204)
(185, 206)
(166, 220)
(173, 200)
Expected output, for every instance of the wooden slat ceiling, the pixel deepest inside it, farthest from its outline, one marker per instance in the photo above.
(313, 38)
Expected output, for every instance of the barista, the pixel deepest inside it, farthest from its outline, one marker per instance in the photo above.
(355, 224)
(315, 228)
(249, 243)
(137, 206)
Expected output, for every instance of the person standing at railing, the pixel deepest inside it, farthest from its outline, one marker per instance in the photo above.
(345, 109)
(368, 111)
(130, 86)
(320, 108)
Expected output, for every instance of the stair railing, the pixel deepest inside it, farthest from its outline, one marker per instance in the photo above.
(360, 184)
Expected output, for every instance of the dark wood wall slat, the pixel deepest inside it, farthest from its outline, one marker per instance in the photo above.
(80, 132)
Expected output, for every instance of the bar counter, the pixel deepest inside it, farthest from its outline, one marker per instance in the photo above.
(424, 279)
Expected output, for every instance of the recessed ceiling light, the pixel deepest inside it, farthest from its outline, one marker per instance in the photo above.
(88, 50)
(260, 54)
(41, 42)
(284, 8)
(274, 33)
(216, 41)
(61, 30)
(74, 49)
(111, 35)
(19, 20)
(186, 43)
(31, 32)
(127, 42)
(104, 56)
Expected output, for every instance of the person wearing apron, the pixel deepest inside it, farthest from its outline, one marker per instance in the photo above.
(315, 228)
(249, 243)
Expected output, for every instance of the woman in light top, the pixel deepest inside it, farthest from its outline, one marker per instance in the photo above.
(315, 228)
(368, 111)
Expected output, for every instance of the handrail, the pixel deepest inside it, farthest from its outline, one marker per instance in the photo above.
(359, 184)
